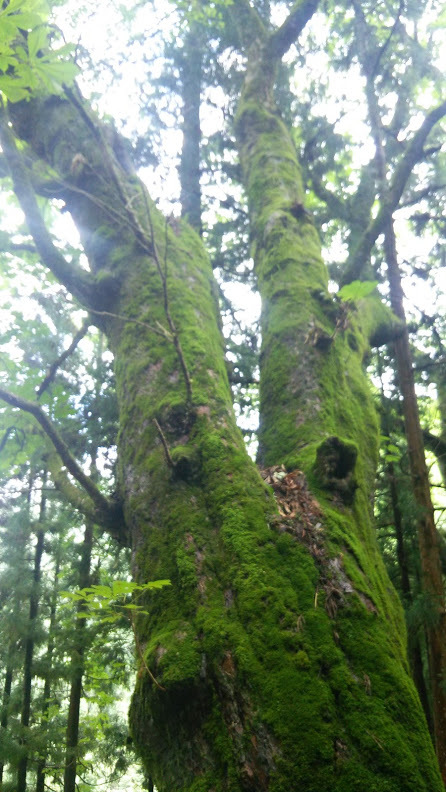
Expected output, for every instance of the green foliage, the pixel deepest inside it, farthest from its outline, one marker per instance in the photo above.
(357, 290)
(107, 603)
(28, 61)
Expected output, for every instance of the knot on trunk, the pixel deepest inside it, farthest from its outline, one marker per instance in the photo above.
(334, 467)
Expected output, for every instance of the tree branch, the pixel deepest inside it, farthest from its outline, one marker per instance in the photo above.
(7, 246)
(389, 204)
(338, 208)
(282, 39)
(111, 520)
(414, 153)
(75, 279)
(46, 382)
(100, 501)
(249, 23)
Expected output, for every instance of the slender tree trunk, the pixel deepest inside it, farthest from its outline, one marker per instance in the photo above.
(41, 764)
(431, 572)
(77, 671)
(191, 65)
(29, 647)
(415, 650)
(415, 656)
(431, 576)
(5, 704)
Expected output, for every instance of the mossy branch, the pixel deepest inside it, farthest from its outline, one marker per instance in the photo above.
(338, 207)
(69, 491)
(147, 243)
(75, 279)
(248, 22)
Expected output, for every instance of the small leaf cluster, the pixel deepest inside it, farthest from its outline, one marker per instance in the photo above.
(356, 290)
(28, 63)
(106, 603)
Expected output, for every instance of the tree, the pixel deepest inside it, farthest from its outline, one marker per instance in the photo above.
(276, 659)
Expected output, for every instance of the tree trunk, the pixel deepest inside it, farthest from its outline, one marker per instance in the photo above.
(316, 414)
(431, 572)
(77, 670)
(276, 658)
(191, 65)
(5, 704)
(29, 649)
(41, 763)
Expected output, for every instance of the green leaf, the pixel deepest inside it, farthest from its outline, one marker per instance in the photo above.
(103, 591)
(156, 584)
(60, 71)
(13, 92)
(37, 40)
(356, 290)
(121, 587)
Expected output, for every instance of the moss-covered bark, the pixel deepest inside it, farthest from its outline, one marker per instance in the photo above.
(317, 414)
(275, 661)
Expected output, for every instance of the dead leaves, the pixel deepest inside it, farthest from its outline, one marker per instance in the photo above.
(300, 515)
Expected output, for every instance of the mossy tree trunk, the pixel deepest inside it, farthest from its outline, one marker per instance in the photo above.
(316, 414)
(276, 658)
(428, 540)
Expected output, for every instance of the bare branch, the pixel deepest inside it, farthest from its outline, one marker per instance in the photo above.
(44, 385)
(99, 500)
(282, 39)
(389, 204)
(414, 153)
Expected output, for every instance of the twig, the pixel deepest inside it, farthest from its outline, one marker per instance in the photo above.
(140, 652)
(46, 382)
(163, 276)
(161, 331)
(164, 442)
